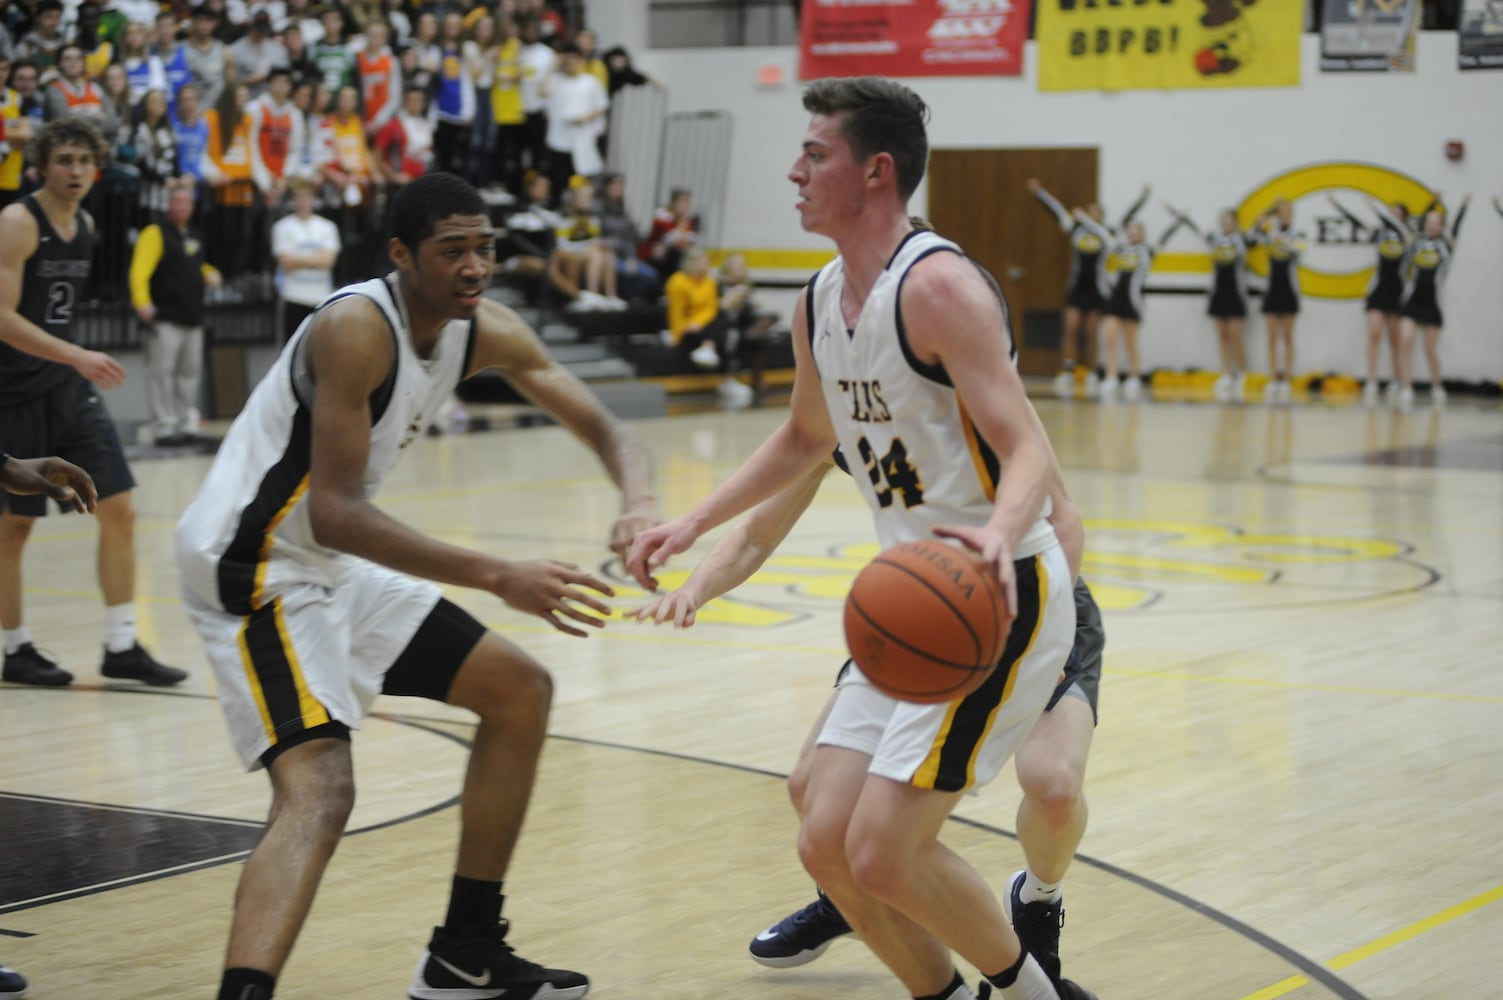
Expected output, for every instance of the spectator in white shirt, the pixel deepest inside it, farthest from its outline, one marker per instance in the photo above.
(257, 54)
(305, 247)
(537, 66)
(577, 105)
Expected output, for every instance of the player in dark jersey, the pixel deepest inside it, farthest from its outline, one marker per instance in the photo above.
(1228, 301)
(49, 403)
(1396, 233)
(1275, 229)
(1429, 263)
(1086, 294)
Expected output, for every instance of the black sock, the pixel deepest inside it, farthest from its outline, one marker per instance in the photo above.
(473, 905)
(947, 992)
(1009, 975)
(246, 984)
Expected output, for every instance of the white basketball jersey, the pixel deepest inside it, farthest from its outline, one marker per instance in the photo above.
(246, 533)
(913, 450)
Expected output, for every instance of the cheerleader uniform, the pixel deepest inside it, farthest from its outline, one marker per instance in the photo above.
(1394, 241)
(1285, 246)
(1126, 298)
(1229, 276)
(1088, 283)
(1429, 263)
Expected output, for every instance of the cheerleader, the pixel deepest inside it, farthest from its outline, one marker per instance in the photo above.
(1429, 263)
(1087, 284)
(1228, 302)
(1124, 302)
(1396, 234)
(1275, 229)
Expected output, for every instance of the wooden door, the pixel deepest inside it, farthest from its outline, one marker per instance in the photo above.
(980, 199)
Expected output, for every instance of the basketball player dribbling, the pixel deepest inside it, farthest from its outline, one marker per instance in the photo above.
(902, 362)
(311, 600)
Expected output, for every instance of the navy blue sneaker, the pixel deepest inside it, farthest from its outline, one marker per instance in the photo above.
(12, 983)
(800, 937)
(1037, 925)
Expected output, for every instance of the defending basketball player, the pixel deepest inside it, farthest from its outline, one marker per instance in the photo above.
(311, 600)
(902, 361)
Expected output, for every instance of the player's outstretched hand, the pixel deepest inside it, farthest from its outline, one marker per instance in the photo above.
(62, 481)
(993, 551)
(652, 548)
(676, 606)
(631, 524)
(552, 591)
(101, 369)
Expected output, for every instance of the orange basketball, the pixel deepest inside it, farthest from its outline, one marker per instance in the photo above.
(926, 622)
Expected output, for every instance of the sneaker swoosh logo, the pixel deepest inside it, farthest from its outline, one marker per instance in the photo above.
(484, 980)
(768, 935)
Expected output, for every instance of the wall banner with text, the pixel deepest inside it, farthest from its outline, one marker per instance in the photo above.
(1167, 44)
(1481, 34)
(1373, 36)
(912, 38)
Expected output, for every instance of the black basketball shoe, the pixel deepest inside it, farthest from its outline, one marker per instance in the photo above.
(800, 937)
(1037, 925)
(136, 664)
(28, 666)
(486, 968)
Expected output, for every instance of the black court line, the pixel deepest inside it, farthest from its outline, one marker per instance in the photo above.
(1311, 969)
(4, 932)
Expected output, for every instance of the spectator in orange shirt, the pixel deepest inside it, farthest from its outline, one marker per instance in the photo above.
(227, 168)
(380, 77)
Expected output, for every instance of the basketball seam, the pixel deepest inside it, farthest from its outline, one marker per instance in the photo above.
(959, 616)
(967, 667)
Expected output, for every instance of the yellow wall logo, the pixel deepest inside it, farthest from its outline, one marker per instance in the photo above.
(1340, 261)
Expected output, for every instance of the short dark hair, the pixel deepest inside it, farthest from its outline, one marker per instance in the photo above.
(877, 115)
(47, 6)
(427, 201)
(70, 130)
(277, 71)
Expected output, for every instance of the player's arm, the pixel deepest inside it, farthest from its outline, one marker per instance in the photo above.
(803, 441)
(503, 341)
(952, 318)
(739, 554)
(350, 354)
(18, 241)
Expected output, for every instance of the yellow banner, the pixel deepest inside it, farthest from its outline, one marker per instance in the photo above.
(1165, 44)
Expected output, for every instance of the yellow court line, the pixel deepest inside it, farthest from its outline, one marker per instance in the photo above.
(1168, 675)
(1384, 943)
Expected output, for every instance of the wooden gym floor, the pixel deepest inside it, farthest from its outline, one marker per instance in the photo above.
(1294, 788)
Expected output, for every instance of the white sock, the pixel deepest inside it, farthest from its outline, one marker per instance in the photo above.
(1031, 983)
(1037, 891)
(15, 638)
(119, 627)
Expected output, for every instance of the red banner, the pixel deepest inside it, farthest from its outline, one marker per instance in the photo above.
(912, 38)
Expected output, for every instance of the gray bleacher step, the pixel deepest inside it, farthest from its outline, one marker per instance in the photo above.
(557, 333)
(575, 353)
(603, 369)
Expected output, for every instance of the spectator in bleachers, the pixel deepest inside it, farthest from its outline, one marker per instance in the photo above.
(7, 44)
(302, 99)
(191, 131)
(116, 86)
(227, 169)
(168, 275)
(531, 230)
(404, 148)
(621, 73)
(426, 54)
(635, 278)
(335, 62)
(696, 325)
(73, 93)
(17, 132)
(401, 24)
(506, 109)
(481, 50)
(301, 14)
(256, 54)
(550, 22)
(305, 247)
(589, 54)
(583, 265)
(144, 70)
(537, 68)
(172, 55)
(453, 99)
(299, 55)
(207, 58)
(674, 231)
(380, 78)
(277, 134)
(23, 80)
(98, 51)
(349, 169)
(46, 38)
(227, 27)
(576, 116)
(155, 146)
